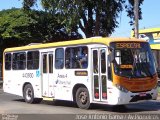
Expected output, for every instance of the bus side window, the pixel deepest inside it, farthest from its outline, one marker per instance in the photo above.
(8, 61)
(33, 60)
(19, 61)
(84, 57)
(22, 61)
(76, 57)
(59, 58)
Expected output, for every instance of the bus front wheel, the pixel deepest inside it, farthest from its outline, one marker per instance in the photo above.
(82, 98)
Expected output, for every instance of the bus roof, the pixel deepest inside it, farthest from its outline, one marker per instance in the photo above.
(102, 40)
(144, 31)
(150, 30)
(155, 46)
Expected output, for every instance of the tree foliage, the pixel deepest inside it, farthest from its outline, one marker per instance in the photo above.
(130, 10)
(93, 17)
(37, 26)
(20, 28)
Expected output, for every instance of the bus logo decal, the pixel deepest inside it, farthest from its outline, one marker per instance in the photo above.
(37, 73)
(61, 82)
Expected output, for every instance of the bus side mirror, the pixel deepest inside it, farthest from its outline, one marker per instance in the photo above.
(111, 57)
(111, 54)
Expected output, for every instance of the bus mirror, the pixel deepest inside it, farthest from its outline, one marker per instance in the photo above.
(111, 57)
(111, 54)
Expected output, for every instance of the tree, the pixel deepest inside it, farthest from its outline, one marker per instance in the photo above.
(37, 26)
(19, 28)
(10, 21)
(130, 10)
(93, 17)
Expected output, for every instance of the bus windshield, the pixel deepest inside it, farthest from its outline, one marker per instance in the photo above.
(133, 60)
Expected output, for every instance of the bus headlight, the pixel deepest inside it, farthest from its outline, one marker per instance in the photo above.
(121, 88)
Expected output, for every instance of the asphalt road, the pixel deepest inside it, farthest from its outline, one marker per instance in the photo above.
(14, 107)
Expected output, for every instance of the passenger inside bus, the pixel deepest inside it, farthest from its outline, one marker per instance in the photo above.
(84, 59)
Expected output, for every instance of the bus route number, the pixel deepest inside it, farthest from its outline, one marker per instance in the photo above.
(28, 75)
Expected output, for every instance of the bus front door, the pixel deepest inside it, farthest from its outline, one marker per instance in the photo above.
(99, 74)
(47, 74)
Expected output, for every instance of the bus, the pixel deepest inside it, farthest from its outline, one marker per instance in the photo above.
(152, 35)
(116, 71)
(156, 52)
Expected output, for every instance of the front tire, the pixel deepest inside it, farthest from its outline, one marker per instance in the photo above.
(82, 98)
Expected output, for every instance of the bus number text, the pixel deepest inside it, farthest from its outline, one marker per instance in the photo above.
(28, 75)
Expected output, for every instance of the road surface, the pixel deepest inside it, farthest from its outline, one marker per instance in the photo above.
(14, 107)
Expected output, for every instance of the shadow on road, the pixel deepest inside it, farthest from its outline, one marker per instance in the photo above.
(139, 107)
(19, 100)
(60, 103)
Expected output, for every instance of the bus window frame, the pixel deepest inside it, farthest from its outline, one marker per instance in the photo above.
(79, 52)
(59, 67)
(33, 60)
(17, 61)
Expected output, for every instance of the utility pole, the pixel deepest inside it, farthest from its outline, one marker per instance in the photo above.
(136, 18)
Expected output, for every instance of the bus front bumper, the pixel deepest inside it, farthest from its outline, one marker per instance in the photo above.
(128, 98)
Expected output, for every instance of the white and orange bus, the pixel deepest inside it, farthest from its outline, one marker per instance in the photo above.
(114, 71)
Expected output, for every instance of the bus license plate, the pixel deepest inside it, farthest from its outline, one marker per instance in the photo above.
(142, 94)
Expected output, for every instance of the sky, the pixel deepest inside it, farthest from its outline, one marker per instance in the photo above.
(150, 16)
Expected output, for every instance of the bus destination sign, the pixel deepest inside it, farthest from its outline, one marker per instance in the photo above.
(128, 45)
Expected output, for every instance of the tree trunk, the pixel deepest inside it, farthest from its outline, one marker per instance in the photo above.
(97, 26)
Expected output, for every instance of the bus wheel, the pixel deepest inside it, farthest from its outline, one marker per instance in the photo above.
(82, 98)
(28, 93)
